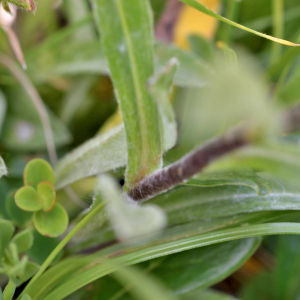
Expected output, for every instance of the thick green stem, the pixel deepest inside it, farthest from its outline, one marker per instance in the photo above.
(62, 244)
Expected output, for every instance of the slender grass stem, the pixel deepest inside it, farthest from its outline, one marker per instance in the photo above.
(278, 27)
(62, 244)
(36, 100)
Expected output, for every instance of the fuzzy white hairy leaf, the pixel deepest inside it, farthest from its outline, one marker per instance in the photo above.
(100, 154)
(129, 220)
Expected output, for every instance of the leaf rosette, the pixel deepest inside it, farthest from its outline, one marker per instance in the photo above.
(38, 196)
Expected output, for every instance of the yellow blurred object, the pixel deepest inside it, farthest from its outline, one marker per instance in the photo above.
(192, 21)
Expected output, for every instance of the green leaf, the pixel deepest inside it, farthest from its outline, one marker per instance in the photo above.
(2, 109)
(192, 70)
(23, 240)
(258, 288)
(53, 223)
(127, 219)
(19, 216)
(202, 47)
(26, 297)
(47, 193)
(97, 269)
(58, 56)
(68, 266)
(100, 154)
(42, 247)
(9, 290)
(6, 233)
(28, 199)
(186, 204)
(279, 159)
(126, 32)
(199, 6)
(30, 269)
(3, 170)
(22, 129)
(289, 93)
(240, 178)
(36, 171)
(160, 88)
(286, 284)
(143, 286)
(202, 267)
(76, 96)
(207, 295)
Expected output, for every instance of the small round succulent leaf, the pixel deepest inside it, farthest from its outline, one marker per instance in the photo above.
(47, 193)
(36, 171)
(28, 199)
(53, 223)
(17, 215)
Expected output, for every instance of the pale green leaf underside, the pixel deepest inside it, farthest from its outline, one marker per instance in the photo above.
(100, 154)
(186, 204)
(245, 178)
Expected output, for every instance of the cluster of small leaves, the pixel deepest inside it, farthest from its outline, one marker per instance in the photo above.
(17, 268)
(38, 196)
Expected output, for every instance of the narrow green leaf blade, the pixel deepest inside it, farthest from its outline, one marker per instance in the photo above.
(202, 267)
(127, 36)
(199, 6)
(143, 286)
(98, 269)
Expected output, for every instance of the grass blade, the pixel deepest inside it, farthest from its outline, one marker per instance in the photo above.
(204, 9)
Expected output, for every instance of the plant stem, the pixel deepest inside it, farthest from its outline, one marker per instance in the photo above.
(190, 164)
(36, 100)
(62, 244)
(278, 27)
(164, 29)
(230, 14)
